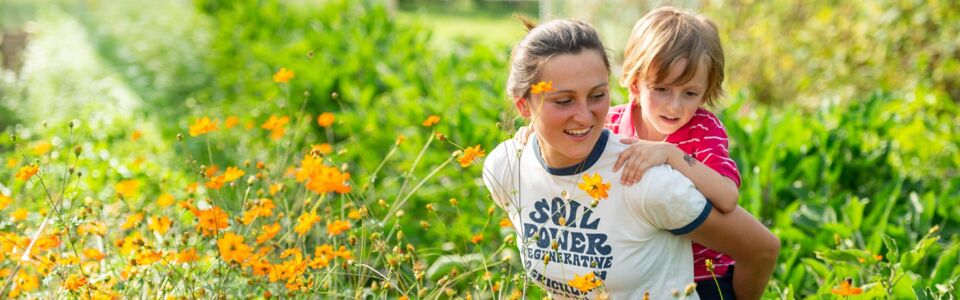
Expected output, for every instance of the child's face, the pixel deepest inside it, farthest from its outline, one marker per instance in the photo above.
(665, 109)
(568, 120)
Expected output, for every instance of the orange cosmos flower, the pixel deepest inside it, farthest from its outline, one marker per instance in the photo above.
(337, 227)
(594, 186)
(354, 214)
(477, 238)
(585, 283)
(19, 215)
(268, 232)
(203, 126)
(846, 288)
(75, 282)
(232, 248)
(321, 149)
(230, 122)
(471, 154)
(93, 254)
(283, 76)
(165, 200)
(187, 256)
(263, 208)
(431, 120)
(27, 171)
(325, 119)
(541, 88)
(305, 222)
(5, 201)
(276, 125)
(132, 221)
(505, 222)
(212, 220)
(216, 182)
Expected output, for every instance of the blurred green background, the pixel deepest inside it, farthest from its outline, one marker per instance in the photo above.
(843, 114)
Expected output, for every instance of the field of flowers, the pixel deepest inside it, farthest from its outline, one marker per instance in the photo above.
(255, 149)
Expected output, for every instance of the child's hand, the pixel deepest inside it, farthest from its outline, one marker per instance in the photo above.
(640, 156)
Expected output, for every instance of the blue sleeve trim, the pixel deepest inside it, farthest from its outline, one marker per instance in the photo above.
(696, 222)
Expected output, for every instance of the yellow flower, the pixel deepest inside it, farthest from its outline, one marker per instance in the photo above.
(132, 221)
(470, 154)
(19, 215)
(75, 282)
(321, 149)
(594, 186)
(232, 248)
(305, 222)
(24, 283)
(325, 119)
(709, 264)
(846, 289)
(337, 227)
(268, 232)
(541, 88)
(127, 188)
(160, 224)
(431, 120)
(5, 201)
(27, 171)
(230, 122)
(165, 200)
(232, 173)
(283, 75)
(354, 214)
(42, 148)
(586, 283)
(203, 126)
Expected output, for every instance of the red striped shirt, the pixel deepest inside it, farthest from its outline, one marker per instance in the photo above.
(704, 138)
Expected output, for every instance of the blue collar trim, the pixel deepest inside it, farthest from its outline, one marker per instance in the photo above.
(578, 167)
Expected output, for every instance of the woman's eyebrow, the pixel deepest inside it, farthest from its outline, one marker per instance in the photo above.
(599, 85)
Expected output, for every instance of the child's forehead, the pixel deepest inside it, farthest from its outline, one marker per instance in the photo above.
(676, 72)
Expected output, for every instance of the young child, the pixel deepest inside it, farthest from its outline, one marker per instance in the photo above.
(673, 66)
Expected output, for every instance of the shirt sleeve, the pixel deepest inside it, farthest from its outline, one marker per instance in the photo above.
(497, 174)
(713, 147)
(670, 201)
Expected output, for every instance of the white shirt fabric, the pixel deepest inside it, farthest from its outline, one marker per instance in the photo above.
(630, 240)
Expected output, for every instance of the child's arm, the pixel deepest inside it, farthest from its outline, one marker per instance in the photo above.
(720, 190)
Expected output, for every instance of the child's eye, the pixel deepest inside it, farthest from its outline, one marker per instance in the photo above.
(659, 89)
(692, 94)
(598, 96)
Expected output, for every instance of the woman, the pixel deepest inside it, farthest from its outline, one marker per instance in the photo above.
(582, 234)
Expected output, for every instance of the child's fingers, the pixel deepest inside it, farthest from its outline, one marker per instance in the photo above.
(629, 140)
(621, 160)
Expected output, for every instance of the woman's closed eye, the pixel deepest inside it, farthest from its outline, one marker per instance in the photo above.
(563, 101)
(691, 94)
(598, 95)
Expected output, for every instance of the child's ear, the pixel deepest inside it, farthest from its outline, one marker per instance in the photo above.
(522, 106)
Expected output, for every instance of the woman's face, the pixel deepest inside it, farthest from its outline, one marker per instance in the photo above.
(569, 119)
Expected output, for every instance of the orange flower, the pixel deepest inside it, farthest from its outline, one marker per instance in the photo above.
(471, 154)
(135, 135)
(342, 252)
(431, 120)
(400, 139)
(276, 125)
(19, 215)
(92, 228)
(165, 200)
(268, 232)
(187, 256)
(210, 170)
(212, 220)
(541, 88)
(203, 126)
(27, 171)
(160, 224)
(305, 222)
(216, 182)
(321, 149)
(477, 238)
(594, 186)
(75, 282)
(337, 227)
(354, 214)
(283, 76)
(325, 119)
(846, 289)
(586, 283)
(24, 283)
(263, 208)
(505, 222)
(230, 122)
(232, 248)
(127, 188)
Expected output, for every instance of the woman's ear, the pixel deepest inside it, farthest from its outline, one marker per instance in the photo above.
(523, 107)
(635, 88)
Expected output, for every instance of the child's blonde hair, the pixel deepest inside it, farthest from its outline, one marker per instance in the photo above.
(662, 38)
